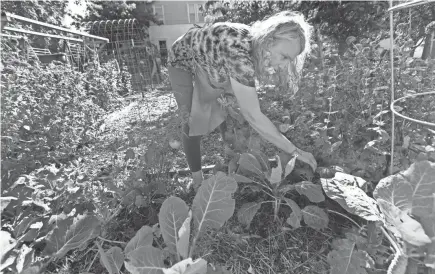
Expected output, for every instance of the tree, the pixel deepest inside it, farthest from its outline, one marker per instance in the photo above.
(334, 19)
(52, 12)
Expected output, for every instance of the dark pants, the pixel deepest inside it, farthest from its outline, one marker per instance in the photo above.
(182, 86)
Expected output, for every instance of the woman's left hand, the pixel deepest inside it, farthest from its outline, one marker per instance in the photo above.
(307, 157)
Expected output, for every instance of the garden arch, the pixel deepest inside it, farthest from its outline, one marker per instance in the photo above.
(130, 46)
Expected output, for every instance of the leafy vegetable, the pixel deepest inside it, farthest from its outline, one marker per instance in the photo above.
(411, 192)
(64, 238)
(213, 205)
(312, 191)
(145, 260)
(410, 230)
(247, 211)
(171, 217)
(296, 216)
(315, 217)
(249, 163)
(7, 243)
(345, 258)
(112, 259)
(143, 237)
(290, 166)
(351, 198)
(184, 237)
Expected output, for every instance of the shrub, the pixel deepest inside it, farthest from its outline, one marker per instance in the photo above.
(343, 107)
(50, 112)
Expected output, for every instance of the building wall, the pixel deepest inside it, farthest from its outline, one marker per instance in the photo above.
(175, 22)
(169, 33)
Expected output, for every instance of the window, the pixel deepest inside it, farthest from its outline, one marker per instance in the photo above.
(194, 14)
(163, 51)
(159, 12)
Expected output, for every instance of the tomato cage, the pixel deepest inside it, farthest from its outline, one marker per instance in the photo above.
(129, 44)
(78, 47)
(431, 48)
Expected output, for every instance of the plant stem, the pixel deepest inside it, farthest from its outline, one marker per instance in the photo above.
(342, 215)
(92, 262)
(45, 265)
(111, 241)
(391, 240)
(192, 247)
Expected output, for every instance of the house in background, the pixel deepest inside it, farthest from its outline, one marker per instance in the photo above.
(177, 17)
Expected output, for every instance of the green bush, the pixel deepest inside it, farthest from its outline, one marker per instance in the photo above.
(50, 112)
(342, 112)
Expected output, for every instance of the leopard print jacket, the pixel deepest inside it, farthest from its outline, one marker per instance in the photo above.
(223, 50)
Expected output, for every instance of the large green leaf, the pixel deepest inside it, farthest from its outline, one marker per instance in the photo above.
(246, 212)
(413, 191)
(25, 258)
(188, 266)
(114, 259)
(345, 258)
(290, 166)
(143, 237)
(184, 237)
(351, 198)
(315, 217)
(410, 230)
(312, 191)
(199, 266)
(213, 205)
(179, 268)
(248, 163)
(172, 214)
(145, 260)
(63, 238)
(7, 243)
(262, 159)
(296, 216)
(4, 202)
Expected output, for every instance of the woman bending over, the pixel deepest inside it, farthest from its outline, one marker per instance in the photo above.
(225, 57)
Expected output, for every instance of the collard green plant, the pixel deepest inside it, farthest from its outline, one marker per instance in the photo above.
(60, 237)
(407, 200)
(212, 206)
(272, 181)
(351, 197)
(403, 204)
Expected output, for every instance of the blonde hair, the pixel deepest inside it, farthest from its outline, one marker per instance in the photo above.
(286, 25)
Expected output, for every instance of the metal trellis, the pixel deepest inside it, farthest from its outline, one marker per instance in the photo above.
(393, 100)
(130, 46)
(76, 43)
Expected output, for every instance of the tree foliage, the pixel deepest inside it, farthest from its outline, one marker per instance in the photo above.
(335, 19)
(52, 12)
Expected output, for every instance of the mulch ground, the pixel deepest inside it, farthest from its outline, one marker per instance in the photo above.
(265, 247)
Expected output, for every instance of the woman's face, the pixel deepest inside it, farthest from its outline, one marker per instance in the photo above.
(284, 52)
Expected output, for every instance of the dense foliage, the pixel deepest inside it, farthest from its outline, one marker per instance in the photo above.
(49, 113)
(336, 20)
(52, 209)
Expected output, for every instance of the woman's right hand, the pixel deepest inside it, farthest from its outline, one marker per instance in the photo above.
(306, 157)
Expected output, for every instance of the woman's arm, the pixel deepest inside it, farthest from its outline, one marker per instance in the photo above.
(250, 108)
